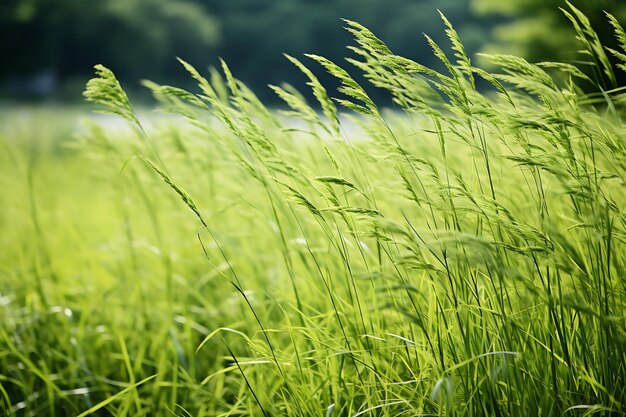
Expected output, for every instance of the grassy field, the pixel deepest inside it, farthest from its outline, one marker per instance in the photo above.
(460, 255)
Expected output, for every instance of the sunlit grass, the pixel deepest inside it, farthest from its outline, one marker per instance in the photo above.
(460, 255)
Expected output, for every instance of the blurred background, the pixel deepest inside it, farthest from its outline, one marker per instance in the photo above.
(48, 47)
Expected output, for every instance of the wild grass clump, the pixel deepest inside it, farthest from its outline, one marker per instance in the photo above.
(460, 255)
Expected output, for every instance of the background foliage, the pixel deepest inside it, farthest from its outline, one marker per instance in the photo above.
(539, 30)
(50, 46)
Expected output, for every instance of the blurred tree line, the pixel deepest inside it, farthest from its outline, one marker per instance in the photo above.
(50, 46)
(539, 31)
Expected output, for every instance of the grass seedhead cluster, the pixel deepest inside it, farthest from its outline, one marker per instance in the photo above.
(461, 255)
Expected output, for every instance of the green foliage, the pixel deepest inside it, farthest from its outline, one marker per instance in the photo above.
(463, 255)
(540, 30)
(139, 38)
(136, 37)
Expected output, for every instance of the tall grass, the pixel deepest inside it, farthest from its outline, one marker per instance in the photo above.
(462, 254)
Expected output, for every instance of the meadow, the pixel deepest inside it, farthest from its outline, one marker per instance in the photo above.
(461, 254)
